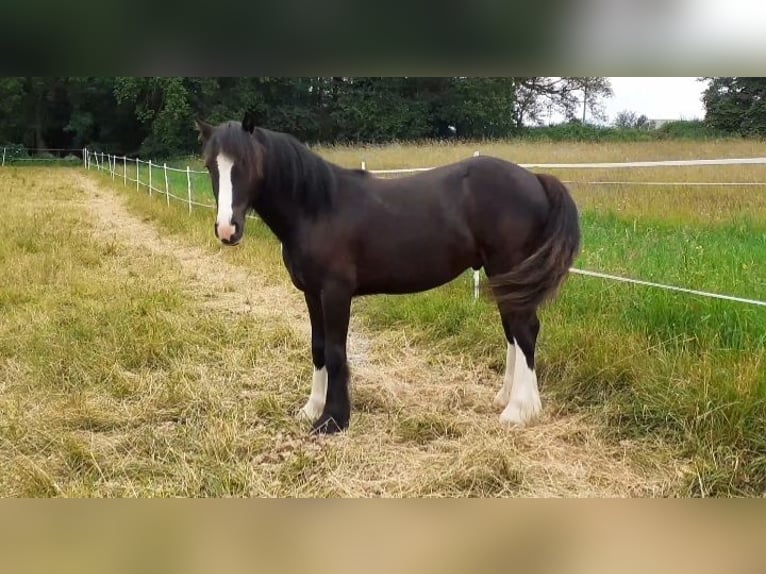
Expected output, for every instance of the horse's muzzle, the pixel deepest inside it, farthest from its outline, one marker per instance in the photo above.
(229, 234)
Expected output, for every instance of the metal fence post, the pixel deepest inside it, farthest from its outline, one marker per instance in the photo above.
(150, 178)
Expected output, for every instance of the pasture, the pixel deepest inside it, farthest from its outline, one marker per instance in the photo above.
(130, 366)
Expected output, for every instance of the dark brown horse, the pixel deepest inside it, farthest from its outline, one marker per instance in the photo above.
(346, 233)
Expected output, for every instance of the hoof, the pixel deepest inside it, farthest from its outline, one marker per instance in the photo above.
(502, 397)
(521, 413)
(328, 424)
(311, 411)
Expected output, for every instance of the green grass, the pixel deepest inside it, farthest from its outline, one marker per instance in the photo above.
(177, 182)
(650, 362)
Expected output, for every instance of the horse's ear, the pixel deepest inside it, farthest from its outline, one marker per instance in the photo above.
(248, 122)
(205, 130)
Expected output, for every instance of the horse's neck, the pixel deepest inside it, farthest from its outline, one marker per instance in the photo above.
(281, 212)
(278, 213)
(278, 221)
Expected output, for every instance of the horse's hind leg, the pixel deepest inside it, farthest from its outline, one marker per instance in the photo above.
(520, 395)
(504, 394)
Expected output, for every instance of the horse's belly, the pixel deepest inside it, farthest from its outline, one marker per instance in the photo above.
(411, 273)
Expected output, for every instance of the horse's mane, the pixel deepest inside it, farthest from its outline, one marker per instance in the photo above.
(286, 166)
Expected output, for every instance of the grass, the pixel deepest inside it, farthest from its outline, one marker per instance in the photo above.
(394, 156)
(674, 382)
(649, 363)
(115, 380)
(128, 369)
(524, 151)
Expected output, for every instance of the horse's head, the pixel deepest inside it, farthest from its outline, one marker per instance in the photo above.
(233, 158)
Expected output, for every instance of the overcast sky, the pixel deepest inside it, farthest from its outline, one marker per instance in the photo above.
(657, 98)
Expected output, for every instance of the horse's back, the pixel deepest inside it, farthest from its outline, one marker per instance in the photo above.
(416, 232)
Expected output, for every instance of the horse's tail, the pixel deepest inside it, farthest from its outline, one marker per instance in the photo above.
(538, 277)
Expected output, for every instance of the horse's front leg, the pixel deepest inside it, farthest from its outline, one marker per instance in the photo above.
(336, 311)
(315, 403)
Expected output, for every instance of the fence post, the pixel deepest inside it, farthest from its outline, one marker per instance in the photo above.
(138, 176)
(364, 165)
(188, 187)
(113, 164)
(85, 157)
(124, 170)
(101, 162)
(476, 274)
(150, 178)
(3, 157)
(167, 187)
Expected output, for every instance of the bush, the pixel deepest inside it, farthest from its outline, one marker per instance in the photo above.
(690, 129)
(14, 151)
(576, 131)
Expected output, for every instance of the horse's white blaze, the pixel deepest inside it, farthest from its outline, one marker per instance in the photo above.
(524, 402)
(315, 405)
(225, 198)
(504, 394)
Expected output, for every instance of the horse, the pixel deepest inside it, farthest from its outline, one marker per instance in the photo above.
(346, 233)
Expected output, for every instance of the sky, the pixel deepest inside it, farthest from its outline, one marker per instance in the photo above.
(657, 98)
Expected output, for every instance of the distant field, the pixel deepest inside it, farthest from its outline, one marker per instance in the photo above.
(395, 156)
(674, 381)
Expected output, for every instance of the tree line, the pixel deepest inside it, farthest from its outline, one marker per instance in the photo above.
(154, 116)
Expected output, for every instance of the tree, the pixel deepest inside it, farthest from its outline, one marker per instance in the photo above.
(478, 107)
(539, 95)
(154, 116)
(12, 118)
(594, 89)
(736, 105)
(166, 109)
(630, 119)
